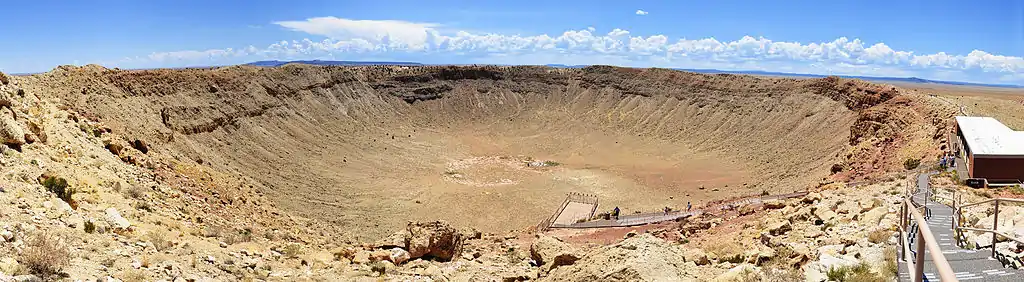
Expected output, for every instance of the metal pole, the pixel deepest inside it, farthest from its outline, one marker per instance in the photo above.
(919, 266)
(995, 226)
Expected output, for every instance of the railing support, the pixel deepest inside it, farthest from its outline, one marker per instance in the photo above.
(903, 232)
(995, 226)
(919, 257)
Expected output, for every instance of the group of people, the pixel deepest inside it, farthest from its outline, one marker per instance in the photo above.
(947, 160)
(615, 212)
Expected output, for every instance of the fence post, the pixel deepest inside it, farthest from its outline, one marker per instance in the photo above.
(995, 227)
(903, 230)
(919, 265)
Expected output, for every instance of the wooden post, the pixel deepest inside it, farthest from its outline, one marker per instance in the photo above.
(995, 227)
(919, 265)
(956, 216)
(903, 228)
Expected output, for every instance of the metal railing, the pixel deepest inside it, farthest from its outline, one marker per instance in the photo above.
(545, 224)
(912, 221)
(959, 228)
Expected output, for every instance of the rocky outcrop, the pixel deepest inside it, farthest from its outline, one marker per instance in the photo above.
(11, 133)
(551, 253)
(641, 258)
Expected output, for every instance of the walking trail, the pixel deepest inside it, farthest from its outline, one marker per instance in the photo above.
(966, 264)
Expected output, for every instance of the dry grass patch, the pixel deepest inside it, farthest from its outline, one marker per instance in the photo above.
(879, 236)
(46, 255)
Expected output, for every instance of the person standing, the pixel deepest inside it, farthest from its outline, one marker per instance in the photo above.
(615, 213)
(688, 206)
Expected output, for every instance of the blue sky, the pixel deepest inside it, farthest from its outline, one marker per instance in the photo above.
(976, 41)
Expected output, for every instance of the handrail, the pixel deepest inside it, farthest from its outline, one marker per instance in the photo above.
(1007, 236)
(924, 235)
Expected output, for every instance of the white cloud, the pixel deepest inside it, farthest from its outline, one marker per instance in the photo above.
(356, 39)
(641, 12)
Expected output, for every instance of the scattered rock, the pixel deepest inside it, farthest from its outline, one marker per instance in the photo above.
(778, 227)
(9, 266)
(10, 132)
(7, 235)
(116, 220)
(399, 256)
(551, 253)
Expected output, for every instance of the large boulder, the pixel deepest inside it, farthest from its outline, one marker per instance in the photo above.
(777, 227)
(10, 132)
(874, 216)
(775, 204)
(825, 214)
(812, 197)
(435, 239)
(696, 256)
(641, 258)
(551, 253)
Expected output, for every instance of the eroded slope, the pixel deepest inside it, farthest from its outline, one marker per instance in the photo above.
(361, 150)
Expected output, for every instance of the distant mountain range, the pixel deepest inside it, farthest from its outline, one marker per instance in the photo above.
(868, 78)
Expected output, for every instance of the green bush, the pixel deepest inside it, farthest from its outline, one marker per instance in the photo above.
(90, 226)
(1016, 189)
(59, 186)
(859, 272)
(551, 163)
(911, 163)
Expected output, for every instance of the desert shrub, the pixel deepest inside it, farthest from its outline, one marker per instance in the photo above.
(911, 163)
(891, 268)
(764, 193)
(159, 239)
(59, 186)
(292, 250)
(133, 275)
(451, 172)
(837, 273)
(858, 272)
(985, 193)
(879, 236)
(135, 192)
(379, 267)
(1016, 189)
(46, 255)
(551, 163)
(513, 256)
(90, 227)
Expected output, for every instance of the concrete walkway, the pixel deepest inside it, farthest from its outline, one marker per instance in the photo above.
(648, 218)
(967, 264)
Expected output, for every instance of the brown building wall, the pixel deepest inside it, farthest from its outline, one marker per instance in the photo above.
(1001, 168)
